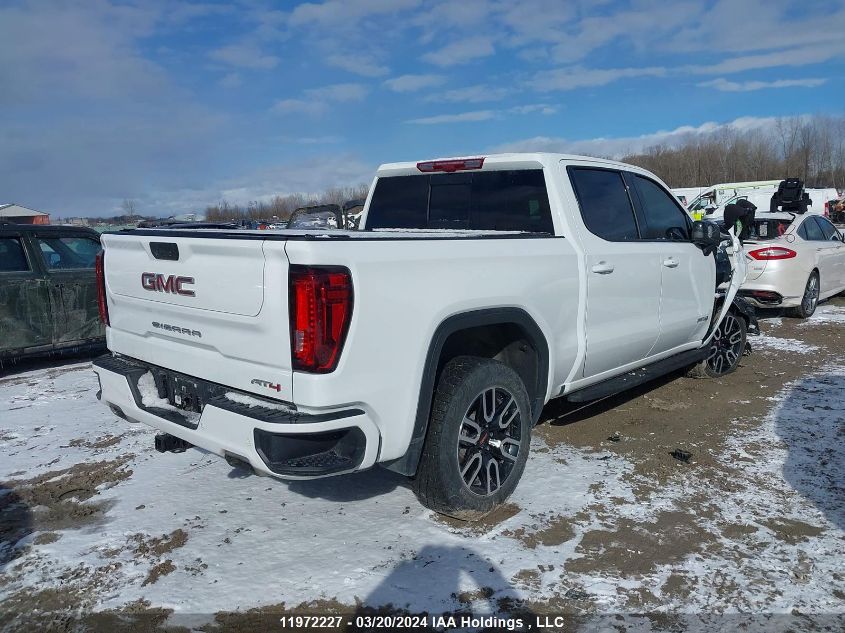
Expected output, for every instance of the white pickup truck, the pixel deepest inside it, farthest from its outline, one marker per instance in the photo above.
(428, 341)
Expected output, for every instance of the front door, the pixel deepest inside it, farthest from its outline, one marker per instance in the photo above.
(622, 273)
(687, 277)
(25, 316)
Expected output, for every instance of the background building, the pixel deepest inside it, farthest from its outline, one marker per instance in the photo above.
(21, 215)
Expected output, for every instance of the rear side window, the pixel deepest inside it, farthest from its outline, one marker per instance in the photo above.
(68, 252)
(510, 200)
(605, 206)
(12, 256)
(661, 217)
(810, 230)
(828, 230)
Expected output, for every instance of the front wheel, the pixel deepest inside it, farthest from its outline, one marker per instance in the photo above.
(478, 439)
(726, 348)
(810, 299)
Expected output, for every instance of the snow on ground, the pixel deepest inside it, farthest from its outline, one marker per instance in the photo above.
(780, 344)
(826, 314)
(771, 535)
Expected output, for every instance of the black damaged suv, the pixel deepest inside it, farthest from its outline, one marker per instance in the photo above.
(48, 291)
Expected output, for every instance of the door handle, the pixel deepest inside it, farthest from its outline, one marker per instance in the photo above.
(602, 268)
(670, 263)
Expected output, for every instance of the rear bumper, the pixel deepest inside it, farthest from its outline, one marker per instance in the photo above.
(768, 296)
(285, 444)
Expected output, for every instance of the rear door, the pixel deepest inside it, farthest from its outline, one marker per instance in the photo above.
(25, 315)
(623, 273)
(687, 277)
(69, 262)
(833, 250)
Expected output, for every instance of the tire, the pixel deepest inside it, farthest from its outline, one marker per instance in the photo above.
(450, 478)
(725, 351)
(809, 300)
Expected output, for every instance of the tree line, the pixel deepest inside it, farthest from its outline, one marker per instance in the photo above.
(281, 207)
(811, 148)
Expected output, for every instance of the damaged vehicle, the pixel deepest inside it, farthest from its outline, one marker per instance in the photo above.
(427, 341)
(48, 291)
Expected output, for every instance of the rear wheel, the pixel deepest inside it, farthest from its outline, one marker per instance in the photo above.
(810, 299)
(726, 348)
(478, 439)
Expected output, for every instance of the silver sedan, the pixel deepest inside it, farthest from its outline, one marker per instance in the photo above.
(793, 262)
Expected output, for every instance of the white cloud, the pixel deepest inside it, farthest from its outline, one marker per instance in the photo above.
(620, 146)
(789, 57)
(471, 94)
(542, 108)
(299, 106)
(244, 56)
(574, 77)
(99, 61)
(355, 63)
(231, 80)
(339, 92)
(412, 83)
(464, 117)
(461, 52)
(724, 85)
(345, 13)
(312, 140)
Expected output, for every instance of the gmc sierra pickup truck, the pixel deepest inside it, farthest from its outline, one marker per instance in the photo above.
(428, 341)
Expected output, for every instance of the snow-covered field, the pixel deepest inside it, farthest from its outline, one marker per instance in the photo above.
(757, 527)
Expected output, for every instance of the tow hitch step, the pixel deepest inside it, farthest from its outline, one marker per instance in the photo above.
(166, 443)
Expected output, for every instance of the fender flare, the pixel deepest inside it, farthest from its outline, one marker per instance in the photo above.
(407, 464)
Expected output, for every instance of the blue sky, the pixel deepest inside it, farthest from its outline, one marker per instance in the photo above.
(182, 104)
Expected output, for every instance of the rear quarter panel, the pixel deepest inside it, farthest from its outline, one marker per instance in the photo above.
(404, 289)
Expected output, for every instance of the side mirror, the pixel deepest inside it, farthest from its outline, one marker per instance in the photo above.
(709, 209)
(706, 235)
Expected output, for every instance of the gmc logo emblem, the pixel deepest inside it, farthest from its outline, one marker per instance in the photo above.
(170, 283)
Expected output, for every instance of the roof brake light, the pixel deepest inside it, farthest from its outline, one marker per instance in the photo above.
(450, 166)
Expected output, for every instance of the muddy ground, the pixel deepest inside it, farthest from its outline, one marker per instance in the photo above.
(751, 521)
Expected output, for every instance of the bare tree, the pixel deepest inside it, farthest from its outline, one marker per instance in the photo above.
(129, 207)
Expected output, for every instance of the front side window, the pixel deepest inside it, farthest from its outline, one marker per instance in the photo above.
(605, 206)
(12, 256)
(62, 253)
(661, 218)
(508, 200)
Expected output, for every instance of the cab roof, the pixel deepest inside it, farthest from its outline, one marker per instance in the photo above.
(520, 160)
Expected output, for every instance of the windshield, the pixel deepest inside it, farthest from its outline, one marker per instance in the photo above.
(703, 201)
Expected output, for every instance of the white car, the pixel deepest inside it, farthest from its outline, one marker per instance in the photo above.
(793, 262)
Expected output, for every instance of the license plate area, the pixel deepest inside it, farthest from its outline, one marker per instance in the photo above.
(180, 392)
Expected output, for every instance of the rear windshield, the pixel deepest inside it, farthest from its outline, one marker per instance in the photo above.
(514, 200)
(768, 229)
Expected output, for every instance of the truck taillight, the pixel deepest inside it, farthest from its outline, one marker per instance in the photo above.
(773, 252)
(827, 209)
(102, 306)
(320, 312)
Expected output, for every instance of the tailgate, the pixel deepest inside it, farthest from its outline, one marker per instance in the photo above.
(213, 308)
